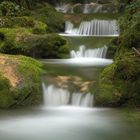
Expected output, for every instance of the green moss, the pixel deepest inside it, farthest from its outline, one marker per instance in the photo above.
(47, 46)
(39, 28)
(28, 90)
(119, 83)
(107, 94)
(5, 99)
(36, 27)
(50, 16)
(13, 42)
(23, 41)
(30, 65)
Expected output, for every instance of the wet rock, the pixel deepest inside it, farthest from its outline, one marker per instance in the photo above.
(78, 8)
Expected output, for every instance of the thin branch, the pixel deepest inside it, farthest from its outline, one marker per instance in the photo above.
(136, 51)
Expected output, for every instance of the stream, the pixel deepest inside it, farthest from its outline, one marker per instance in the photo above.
(66, 123)
(68, 111)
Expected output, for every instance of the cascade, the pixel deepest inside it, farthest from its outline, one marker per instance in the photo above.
(89, 53)
(84, 57)
(64, 8)
(79, 99)
(93, 28)
(93, 8)
(55, 96)
(61, 8)
(87, 8)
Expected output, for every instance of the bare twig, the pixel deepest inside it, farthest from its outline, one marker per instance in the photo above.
(136, 51)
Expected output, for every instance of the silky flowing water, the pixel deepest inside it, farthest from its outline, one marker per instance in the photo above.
(66, 123)
(58, 119)
(68, 88)
(93, 28)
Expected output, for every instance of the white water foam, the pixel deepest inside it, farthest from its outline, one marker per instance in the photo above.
(55, 96)
(92, 28)
(89, 53)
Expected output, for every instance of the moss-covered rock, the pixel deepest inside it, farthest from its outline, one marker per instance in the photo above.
(23, 41)
(50, 16)
(20, 81)
(47, 46)
(119, 83)
(5, 98)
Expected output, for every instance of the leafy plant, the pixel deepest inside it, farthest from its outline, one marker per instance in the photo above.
(8, 8)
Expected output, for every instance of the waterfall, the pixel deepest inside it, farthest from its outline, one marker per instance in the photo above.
(79, 99)
(86, 10)
(93, 28)
(64, 8)
(89, 53)
(92, 8)
(55, 96)
(84, 57)
(61, 8)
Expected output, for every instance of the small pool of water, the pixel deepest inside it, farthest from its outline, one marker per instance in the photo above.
(66, 123)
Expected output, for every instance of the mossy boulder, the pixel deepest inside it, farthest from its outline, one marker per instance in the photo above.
(20, 81)
(47, 14)
(47, 46)
(119, 83)
(23, 41)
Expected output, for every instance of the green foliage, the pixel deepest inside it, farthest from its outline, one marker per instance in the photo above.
(8, 8)
(22, 41)
(112, 47)
(47, 46)
(127, 67)
(130, 22)
(23, 3)
(130, 26)
(12, 42)
(121, 80)
(39, 28)
(132, 33)
(50, 16)
(24, 21)
(107, 94)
